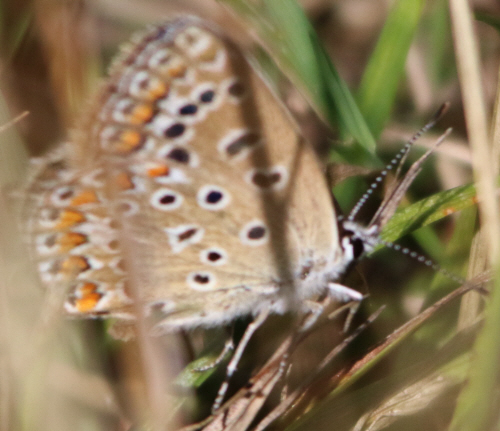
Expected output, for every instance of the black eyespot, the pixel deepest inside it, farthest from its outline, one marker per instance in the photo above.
(175, 130)
(187, 234)
(201, 279)
(66, 194)
(213, 197)
(207, 96)
(190, 109)
(167, 199)
(50, 241)
(51, 214)
(55, 267)
(264, 180)
(247, 140)
(213, 256)
(179, 155)
(257, 232)
(236, 89)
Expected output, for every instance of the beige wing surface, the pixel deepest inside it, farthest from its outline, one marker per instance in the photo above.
(216, 204)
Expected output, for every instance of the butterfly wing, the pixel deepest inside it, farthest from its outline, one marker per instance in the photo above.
(216, 205)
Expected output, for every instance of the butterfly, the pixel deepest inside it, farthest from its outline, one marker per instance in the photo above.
(187, 189)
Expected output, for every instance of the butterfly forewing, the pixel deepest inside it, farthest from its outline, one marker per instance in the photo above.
(190, 185)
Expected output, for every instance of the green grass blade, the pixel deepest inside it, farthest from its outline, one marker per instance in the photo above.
(292, 42)
(477, 404)
(377, 91)
(428, 210)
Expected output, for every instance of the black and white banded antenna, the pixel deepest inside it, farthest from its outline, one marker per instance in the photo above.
(423, 260)
(398, 161)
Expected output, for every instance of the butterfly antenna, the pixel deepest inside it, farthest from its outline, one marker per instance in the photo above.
(423, 259)
(398, 160)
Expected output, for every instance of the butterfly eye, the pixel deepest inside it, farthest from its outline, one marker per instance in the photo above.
(358, 248)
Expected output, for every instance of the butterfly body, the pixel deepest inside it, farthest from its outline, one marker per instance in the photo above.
(187, 189)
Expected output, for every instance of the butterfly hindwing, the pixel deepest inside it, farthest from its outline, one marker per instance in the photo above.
(196, 174)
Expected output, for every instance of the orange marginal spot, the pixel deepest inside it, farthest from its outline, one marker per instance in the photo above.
(69, 218)
(141, 114)
(128, 141)
(89, 297)
(75, 265)
(70, 240)
(85, 197)
(177, 71)
(87, 288)
(158, 171)
(158, 90)
(123, 181)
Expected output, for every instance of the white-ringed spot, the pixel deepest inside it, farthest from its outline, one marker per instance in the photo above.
(166, 127)
(179, 237)
(205, 95)
(235, 89)
(178, 154)
(193, 41)
(201, 280)
(273, 178)
(144, 85)
(213, 197)
(160, 59)
(214, 61)
(159, 308)
(62, 195)
(213, 256)
(236, 144)
(127, 208)
(254, 233)
(165, 199)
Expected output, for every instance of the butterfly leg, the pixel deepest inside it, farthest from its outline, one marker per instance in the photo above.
(233, 363)
(346, 294)
(285, 368)
(314, 311)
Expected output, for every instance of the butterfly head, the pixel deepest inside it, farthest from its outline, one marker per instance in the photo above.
(357, 240)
